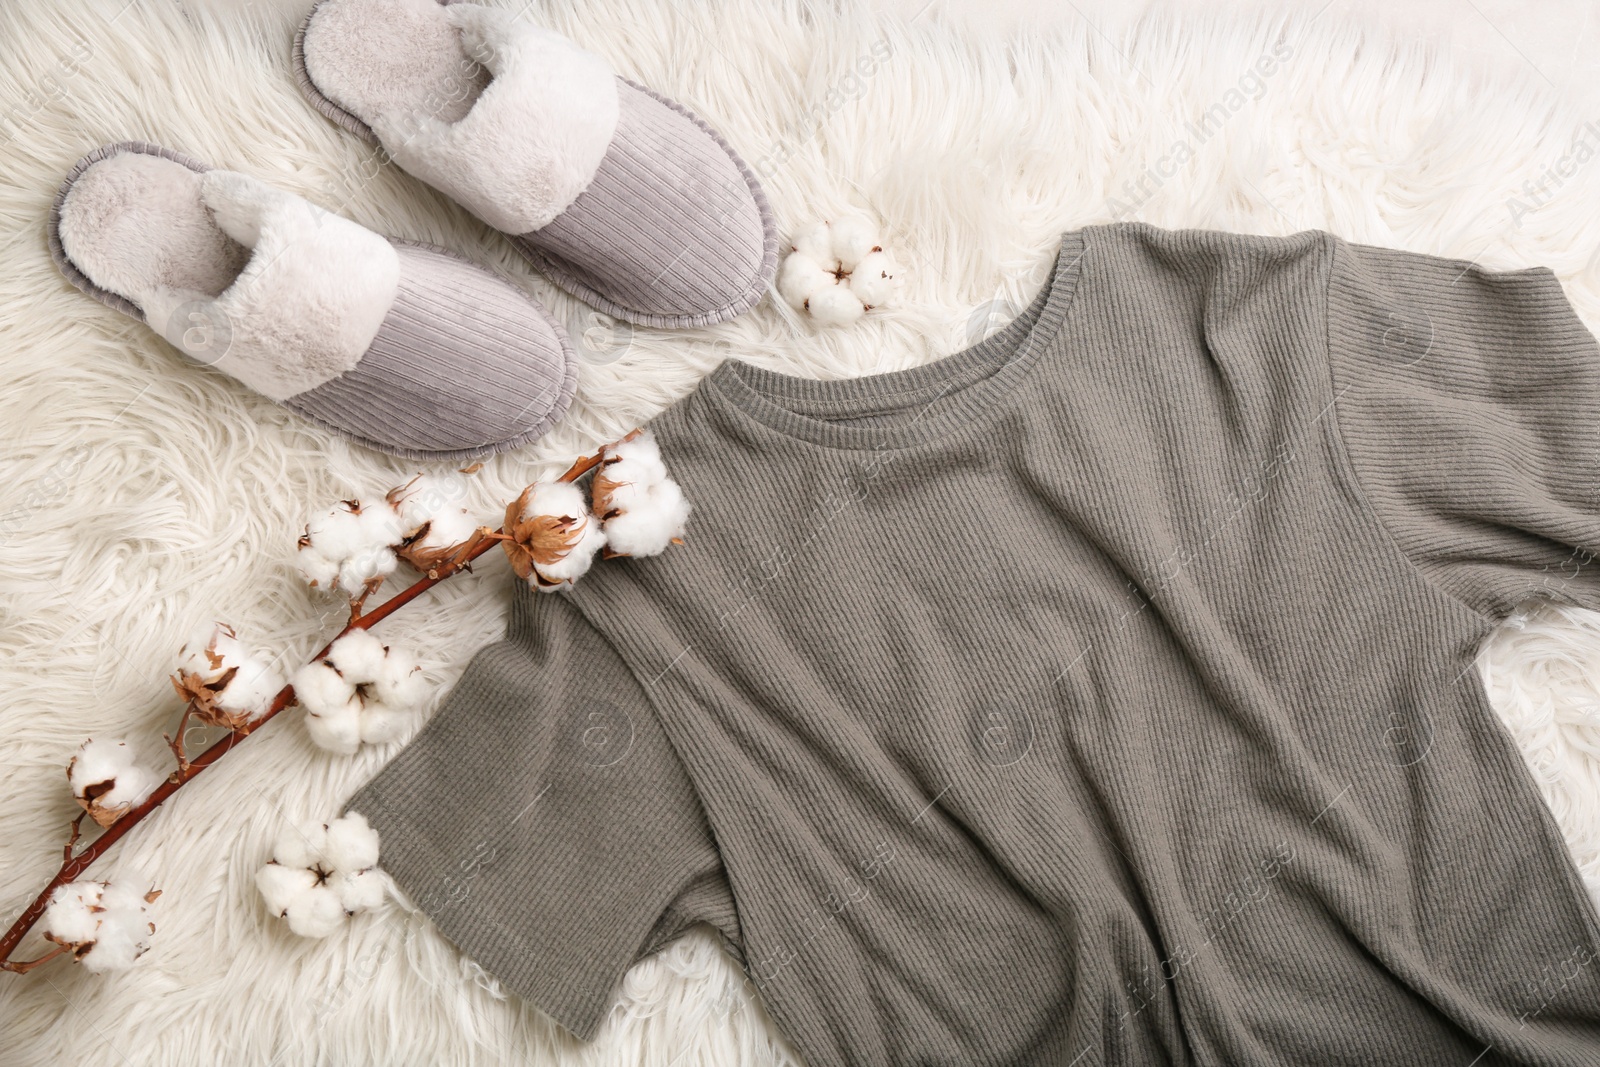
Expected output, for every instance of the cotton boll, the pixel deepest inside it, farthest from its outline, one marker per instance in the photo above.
(872, 281)
(358, 655)
(320, 872)
(399, 683)
(336, 533)
(800, 278)
(366, 567)
(337, 731)
(123, 935)
(853, 239)
(106, 926)
(68, 920)
(317, 912)
(253, 688)
(124, 932)
(552, 534)
(835, 305)
(379, 525)
(636, 459)
(815, 242)
(302, 845)
(362, 691)
(358, 890)
(555, 498)
(576, 563)
(223, 683)
(321, 689)
(281, 885)
(105, 780)
(355, 539)
(352, 843)
(649, 526)
(318, 570)
(434, 522)
(449, 529)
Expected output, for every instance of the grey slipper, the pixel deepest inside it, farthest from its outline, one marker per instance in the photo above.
(404, 347)
(621, 196)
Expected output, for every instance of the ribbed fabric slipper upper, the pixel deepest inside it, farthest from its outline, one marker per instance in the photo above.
(402, 347)
(621, 196)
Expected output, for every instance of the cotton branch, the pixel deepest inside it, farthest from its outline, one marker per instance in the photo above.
(75, 864)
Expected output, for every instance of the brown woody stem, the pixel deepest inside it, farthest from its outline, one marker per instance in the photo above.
(74, 865)
(28, 965)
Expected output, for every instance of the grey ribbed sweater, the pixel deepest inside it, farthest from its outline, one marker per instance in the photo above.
(1100, 694)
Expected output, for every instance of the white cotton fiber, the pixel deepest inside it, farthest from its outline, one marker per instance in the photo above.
(835, 305)
(358, 890)
(872, 282)
(109, 760)
(317, 912)
(360, 692)
(837, 272)
(815, 242)
(563, 500)
(281, 885)
(320, 873)
(853, 239)
(351, 843)
(302, 845)
(107, 925)
(337, 730)
(576, 563)
(214, 650)
(358, 656)
(321, 689)
(433, 515)
(350, 545)
(800, 277)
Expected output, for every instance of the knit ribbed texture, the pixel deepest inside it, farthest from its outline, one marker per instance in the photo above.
(673, 230)
(465, 364)
(1100, 694)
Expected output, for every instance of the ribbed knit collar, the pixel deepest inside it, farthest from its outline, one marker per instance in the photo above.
(936, 398)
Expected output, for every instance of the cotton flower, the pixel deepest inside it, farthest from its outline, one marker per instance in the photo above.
(351, 547)
(550, 536)
(837, 272)
(835, 305)
(800, 277)
(106, 926)
(642, 510)
(221, 682)
(853, 240)
(815, 242)
(105, 780)
(320, 873)
(433, 523)
(872, 280)
(362, 691)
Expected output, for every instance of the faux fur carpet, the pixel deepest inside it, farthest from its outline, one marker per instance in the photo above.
(140, 496)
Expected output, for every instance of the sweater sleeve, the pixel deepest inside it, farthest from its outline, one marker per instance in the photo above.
(1467, 401)
(543, 821)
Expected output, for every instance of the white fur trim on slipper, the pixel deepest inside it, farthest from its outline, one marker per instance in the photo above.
(309, 300)
(531, 142)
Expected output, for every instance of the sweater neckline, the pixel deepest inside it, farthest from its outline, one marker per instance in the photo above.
(932, 400)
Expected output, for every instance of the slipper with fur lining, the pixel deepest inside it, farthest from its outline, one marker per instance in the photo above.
(406, 348)
(620, 196)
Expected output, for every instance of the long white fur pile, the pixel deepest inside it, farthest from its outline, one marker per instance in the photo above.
(140, 496)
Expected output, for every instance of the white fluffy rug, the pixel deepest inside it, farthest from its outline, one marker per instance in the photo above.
(140, 496)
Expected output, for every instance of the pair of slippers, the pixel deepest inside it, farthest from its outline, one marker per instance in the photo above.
(623, 198)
